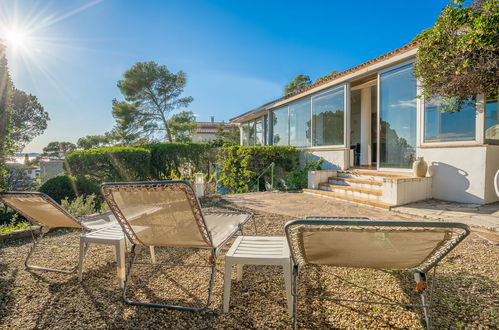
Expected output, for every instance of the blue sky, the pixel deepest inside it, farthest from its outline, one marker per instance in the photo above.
(237, 54)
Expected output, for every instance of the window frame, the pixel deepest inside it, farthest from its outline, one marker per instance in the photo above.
(346, 115)
(419, 125)
(485, 140)
(479, 126)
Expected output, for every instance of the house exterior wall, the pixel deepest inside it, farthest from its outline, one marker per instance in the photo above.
(400, 191)
(461, 168)
(203, 137)
(458, 172)
(333, 159)
(50, 169)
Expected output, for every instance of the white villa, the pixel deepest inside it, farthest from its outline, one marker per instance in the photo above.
(368, 125)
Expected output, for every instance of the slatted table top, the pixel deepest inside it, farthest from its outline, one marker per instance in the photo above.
(111, 233)
(259, 247)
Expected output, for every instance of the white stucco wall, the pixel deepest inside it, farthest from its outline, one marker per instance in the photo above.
(398, 191)
(458, 173)
(492, 168)
(333, 159)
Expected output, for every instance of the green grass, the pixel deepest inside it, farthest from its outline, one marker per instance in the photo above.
(7, 228)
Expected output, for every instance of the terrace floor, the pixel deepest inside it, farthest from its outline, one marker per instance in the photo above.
(465, 295)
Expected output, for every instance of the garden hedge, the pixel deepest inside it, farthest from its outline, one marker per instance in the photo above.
(180, 160)
(111, 164)
(240, 166)
(65, 186)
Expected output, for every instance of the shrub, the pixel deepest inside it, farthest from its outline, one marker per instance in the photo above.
(298, 177)
(59, 188)
(86, 187)
(239, 166)
(14, 224)
(7, 216)
(180, 160)
(110, 164)
(84, 205)
(458, 58)
(67, 187)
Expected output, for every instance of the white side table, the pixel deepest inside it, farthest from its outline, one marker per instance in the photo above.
(257, 250)
(112, 235)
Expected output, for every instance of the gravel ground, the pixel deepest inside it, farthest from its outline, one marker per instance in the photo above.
(466, 295)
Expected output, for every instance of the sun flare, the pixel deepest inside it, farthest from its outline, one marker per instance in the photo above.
(15, 38)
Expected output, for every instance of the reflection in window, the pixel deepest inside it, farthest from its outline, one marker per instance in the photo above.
(259, 133)
(266, 130)
(397, 118)
(442, 126)
(328, 117)
(245, 128)
(280, 127)
(491, 119)
(299, 123)
(251, 133)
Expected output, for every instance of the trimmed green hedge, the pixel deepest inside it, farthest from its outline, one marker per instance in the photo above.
(240, 166)
(180, 160)
(111, 164)
(64, 186)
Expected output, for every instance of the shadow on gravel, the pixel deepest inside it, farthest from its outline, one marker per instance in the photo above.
(459, 298)
(7, 289)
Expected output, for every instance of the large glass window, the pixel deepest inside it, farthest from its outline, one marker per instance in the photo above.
(397, 118)
(443, 126)
(491, 119)
(259, 133)
(299, 123)
(266, 130)
(251, 133)
(328, 115)
(245, 128)
(280, 127)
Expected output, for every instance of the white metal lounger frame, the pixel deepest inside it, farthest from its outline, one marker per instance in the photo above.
(44, 228)
(136, 243)
(291, 228)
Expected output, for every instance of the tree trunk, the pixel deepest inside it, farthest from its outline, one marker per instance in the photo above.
(168, 133)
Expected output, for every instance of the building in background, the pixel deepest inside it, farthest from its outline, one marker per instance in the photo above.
(29, 171)
(206, 131)
(50, 168)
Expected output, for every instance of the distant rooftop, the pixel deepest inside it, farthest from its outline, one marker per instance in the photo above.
(211, 127)
(19, 165)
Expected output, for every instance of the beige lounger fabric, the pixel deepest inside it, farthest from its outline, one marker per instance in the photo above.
(158, 215)
(369, 248)
(417, 247)
(222, 225)
(39, 209)
(168, 214)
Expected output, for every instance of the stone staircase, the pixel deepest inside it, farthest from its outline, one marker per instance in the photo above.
(363, 187)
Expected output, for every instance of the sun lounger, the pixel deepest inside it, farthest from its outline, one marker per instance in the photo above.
(415, 246)
(41, 210)
(168, 214)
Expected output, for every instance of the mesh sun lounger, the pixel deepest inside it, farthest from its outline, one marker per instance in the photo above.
(41, 210)
(168, 214)
(415, 246)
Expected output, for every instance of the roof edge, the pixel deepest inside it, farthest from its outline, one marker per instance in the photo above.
(377, 59)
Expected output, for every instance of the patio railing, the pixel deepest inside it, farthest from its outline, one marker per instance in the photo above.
(270, 169)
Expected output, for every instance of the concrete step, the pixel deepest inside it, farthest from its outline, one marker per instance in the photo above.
(352, 191)
(361, 183)
(346, 197)
(369, 175)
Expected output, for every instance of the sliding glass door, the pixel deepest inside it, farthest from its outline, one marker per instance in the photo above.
(397, 117)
